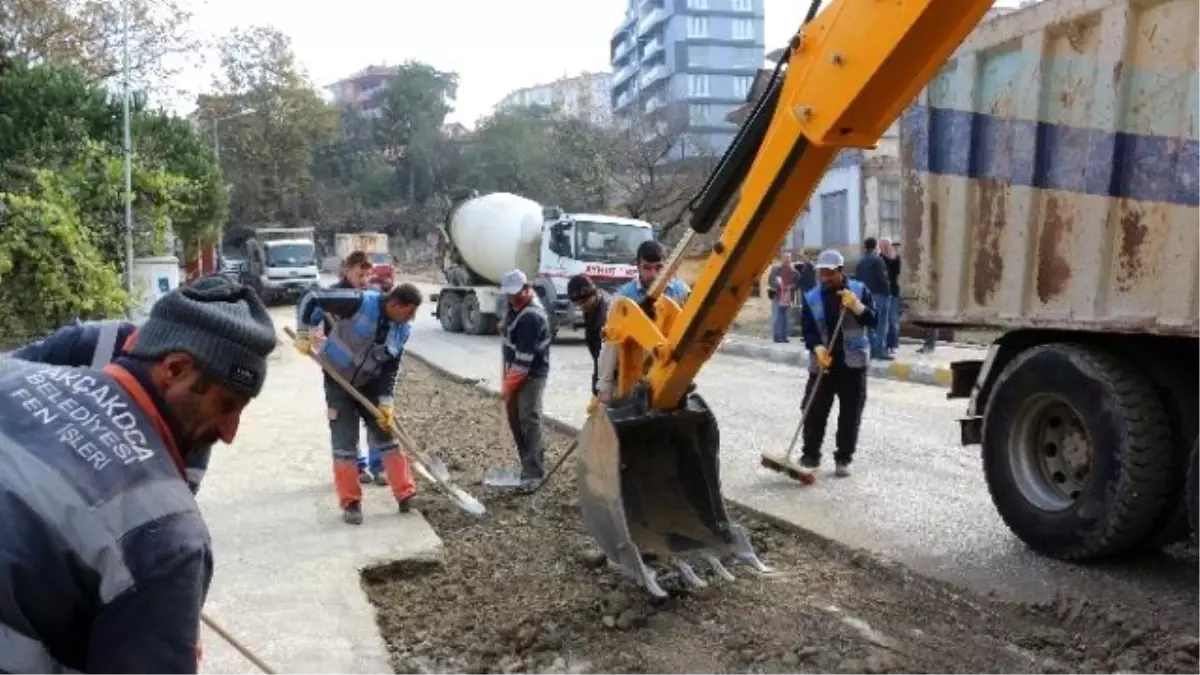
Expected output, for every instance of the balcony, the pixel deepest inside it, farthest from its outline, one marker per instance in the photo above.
(653, 48)
(622, 75)
(622, 50)
(623, 100)
(653, 75)
(652, 19)
(655, 104)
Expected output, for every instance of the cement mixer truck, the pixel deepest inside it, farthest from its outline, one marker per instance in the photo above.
(485, 236)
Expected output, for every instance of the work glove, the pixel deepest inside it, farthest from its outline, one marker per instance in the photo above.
(593, 405)
(513, 379)
(387, 418)
(851, 302)
(305, 342)
(824, 358)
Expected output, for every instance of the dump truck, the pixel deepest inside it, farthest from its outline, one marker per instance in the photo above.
(486, 235)
(1050, 193)
(375, 245)
(282, 263)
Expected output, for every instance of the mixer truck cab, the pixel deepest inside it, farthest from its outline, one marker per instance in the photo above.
(485, 236)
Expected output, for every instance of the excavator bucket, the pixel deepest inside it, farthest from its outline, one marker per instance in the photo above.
(650, 493)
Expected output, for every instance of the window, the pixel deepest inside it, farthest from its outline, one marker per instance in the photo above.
(697, 26)
(741, 86)
(743, 5)
(889, 208)
(743, 29)
(697, 4)
(697, 85)
(835, 223)
(699, 113)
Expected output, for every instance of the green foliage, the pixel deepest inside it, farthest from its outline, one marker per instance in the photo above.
(169, 144)
(50, 269)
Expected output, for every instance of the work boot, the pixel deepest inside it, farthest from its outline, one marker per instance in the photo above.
(364, 476)
(352, 514)
(381, 479)
(410, 502)
(841, 470)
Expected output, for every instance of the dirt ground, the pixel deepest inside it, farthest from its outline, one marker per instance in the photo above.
(522, 590)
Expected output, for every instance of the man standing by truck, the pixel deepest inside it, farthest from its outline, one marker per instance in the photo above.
(781, 288)
(872, 272)
(842, 358)
(594, 304)
(527, 338)
(364, 348)
(356, 270)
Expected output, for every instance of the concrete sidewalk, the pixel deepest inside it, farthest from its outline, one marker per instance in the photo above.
(909, 365)
(287, 569)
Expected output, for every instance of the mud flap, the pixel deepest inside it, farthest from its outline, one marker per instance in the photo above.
(650, 490)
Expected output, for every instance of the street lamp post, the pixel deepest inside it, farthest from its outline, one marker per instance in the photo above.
(216, 122)
(128, 150)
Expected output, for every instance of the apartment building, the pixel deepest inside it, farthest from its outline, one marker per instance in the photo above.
(681, 66)
(585, 96)
(362, 89)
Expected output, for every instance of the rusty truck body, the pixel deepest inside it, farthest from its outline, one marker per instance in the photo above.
(1050, 191)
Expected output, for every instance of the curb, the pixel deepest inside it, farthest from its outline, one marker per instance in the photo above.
(916, 373)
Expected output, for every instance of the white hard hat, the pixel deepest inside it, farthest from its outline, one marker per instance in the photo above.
(513, 281)
(830, 260)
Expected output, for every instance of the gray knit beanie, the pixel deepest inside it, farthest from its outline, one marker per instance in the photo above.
(221, 324)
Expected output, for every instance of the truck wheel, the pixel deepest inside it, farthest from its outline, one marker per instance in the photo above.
(450, 312)
(474, 321)
(1192, 490)
(1077, 452)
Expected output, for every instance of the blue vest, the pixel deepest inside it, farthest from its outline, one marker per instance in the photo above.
(856, 346)
(360, 346)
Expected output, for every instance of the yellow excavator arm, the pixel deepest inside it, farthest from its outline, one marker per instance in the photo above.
(848, 74)
(648, 460)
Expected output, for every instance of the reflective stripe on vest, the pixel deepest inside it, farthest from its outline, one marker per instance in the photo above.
(856, 346)
(91, 529)
(525, 359)
(106, 343)
(20, 653)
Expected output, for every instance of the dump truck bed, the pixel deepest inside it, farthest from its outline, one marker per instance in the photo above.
(1050, 173)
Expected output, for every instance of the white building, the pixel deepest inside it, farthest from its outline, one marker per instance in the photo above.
(858, 197)
(585, 96)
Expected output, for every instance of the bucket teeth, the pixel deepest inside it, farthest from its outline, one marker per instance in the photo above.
(644, 577)
(688, 575)
(719, 569)
(744, 552)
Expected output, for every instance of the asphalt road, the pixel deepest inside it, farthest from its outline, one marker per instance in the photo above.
(917, 497)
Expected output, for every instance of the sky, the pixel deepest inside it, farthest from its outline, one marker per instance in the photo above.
(495, 46)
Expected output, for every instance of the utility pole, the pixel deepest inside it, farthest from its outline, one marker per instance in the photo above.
(128, 151)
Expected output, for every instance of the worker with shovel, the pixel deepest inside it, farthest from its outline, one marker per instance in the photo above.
(370, 331)
(526, 335)
(842, 355)
(106, 556)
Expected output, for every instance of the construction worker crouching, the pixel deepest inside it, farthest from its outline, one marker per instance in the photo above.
(106, 556)
(365, 346)
(594, 303)
(356, 269)
(526, 335)
(842, 362)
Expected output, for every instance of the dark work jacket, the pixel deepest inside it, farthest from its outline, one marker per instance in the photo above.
(893, 270)
(872, 271)
(105, 560)
(593, 332)
(807, 276)
(527, 339)
(831, 301)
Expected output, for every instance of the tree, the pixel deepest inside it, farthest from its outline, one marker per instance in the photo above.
(170, 145)
(272, 123)
(659, 168)
(50, 268)
(87, 34)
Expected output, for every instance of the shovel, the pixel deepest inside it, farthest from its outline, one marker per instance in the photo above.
(431, 468)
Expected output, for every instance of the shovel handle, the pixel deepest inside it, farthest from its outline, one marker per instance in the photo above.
(397, 431)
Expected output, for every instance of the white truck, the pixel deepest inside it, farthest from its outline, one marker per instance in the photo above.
(375, 245)
(485, 236)
(282, 263)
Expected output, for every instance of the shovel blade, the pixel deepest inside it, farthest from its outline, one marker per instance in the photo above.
(650, 488)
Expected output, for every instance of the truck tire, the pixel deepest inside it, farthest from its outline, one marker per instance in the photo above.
(450, 312)
(1192, 490)
(474, 321)
(1077, 452)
